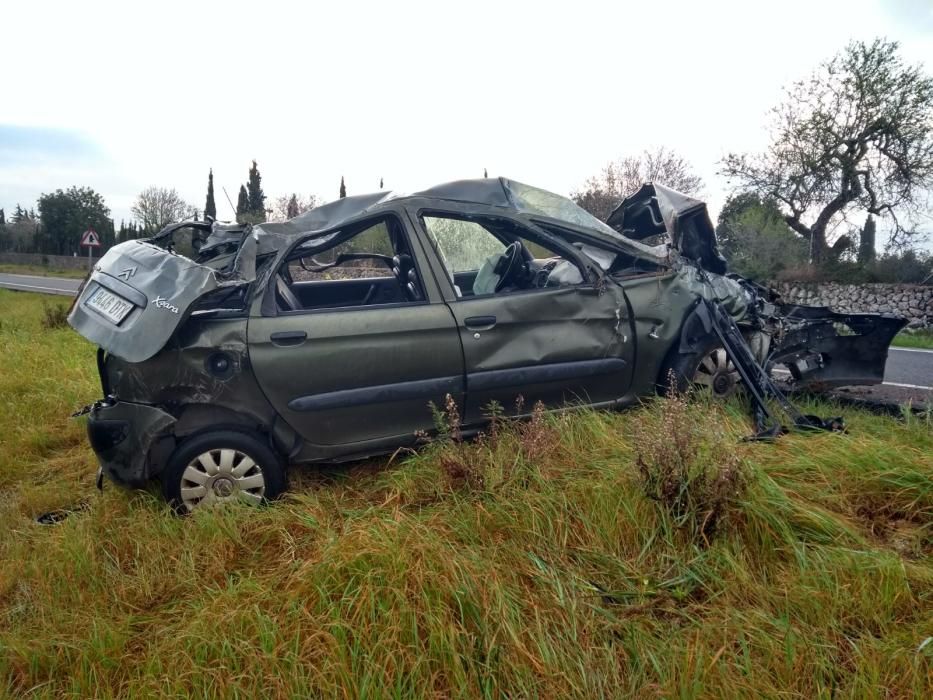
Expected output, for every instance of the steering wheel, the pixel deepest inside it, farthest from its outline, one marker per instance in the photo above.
(509, 265)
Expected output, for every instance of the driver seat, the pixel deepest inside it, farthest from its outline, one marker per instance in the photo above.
(404, 270)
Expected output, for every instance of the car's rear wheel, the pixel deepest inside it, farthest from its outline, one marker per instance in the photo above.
(221, 467)
(710, 368)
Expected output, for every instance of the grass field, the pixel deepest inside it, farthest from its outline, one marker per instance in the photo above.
(914, 339)
(42, 270)
(528, 564)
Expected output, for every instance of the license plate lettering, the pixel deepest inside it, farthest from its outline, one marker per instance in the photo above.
(113, 307)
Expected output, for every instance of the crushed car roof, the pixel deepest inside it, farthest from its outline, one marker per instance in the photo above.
(492, 192)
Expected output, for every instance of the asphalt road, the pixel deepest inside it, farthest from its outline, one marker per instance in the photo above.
(42, 285)
(907, 375)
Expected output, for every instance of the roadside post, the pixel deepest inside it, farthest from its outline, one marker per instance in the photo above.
(91, 240)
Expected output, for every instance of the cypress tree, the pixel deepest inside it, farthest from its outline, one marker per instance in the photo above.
(380, 183)
(485, 173)
(257, 200)
(2, 217)
(291, 210)
(19, 214)
(210, 208)
(866, 243)
(242, 205)
(343, 188)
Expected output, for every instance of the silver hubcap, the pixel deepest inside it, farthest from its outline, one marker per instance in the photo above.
(717, 372)
(219, 476)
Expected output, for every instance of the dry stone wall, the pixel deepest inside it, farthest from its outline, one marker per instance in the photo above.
(912, 301)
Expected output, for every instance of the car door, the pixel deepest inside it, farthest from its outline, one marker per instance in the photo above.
(365, 372)
(562, 344)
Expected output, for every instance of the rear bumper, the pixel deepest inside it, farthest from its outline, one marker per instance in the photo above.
(132, 441)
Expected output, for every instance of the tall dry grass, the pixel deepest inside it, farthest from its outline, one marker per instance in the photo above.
(530, 563)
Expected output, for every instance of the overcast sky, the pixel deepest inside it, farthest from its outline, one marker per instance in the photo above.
(121, 95)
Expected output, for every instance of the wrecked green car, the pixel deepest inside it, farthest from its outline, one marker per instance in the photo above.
(326, 337)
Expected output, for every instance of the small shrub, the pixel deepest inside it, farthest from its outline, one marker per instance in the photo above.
(535, 437)
(456, 459)
(688, 466)
(54, 316)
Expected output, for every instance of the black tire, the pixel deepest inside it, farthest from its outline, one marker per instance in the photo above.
(205, 449)
(683, 369)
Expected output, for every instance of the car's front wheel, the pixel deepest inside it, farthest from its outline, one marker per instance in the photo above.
(711, 368)
(221, 467)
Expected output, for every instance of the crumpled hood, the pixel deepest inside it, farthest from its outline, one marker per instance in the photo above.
(161, 287)
(655, 209)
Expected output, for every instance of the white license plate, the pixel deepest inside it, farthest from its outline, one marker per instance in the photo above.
(108, 304)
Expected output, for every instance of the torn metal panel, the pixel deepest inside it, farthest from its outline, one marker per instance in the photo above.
(822, 347)
(656, 209)
(715, 319)
(122, 435)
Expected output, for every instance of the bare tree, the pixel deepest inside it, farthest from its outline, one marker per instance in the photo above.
(156, 207)
(601, 193)
(857, 136)
(291, 205)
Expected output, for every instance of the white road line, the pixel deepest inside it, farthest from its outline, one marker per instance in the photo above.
(29, 287)
(908, 386)
(911, 349)
(783, 372)
(38, 277)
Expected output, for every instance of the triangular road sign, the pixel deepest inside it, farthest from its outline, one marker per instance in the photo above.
(90, 238)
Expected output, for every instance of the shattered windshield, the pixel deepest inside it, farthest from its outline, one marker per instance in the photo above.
(532, 200)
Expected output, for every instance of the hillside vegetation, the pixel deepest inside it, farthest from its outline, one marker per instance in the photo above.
(645, 553)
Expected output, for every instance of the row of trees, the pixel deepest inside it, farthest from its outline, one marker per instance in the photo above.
(851, 145)
(64, 215)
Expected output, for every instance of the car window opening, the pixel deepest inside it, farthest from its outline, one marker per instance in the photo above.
(487, 255)
(616, 263)
(368, 265)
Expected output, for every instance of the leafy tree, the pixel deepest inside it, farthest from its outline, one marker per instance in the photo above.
(866, 241)
(755, 239)
(156, 207)
(21, 237)
(210, 207)
(290, 206)
(257, 199)
(343, 188)
(242, 205)
(602, 193)
(67, 214)
(856, 136)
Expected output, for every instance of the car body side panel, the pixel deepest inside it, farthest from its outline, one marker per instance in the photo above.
(660, 304)
(558, 346)
(202, 378)
(358, 374)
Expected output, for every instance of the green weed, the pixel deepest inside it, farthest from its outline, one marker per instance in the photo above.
(554, 576)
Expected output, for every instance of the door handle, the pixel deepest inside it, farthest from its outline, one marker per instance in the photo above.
(285, 339)
(480, 323)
